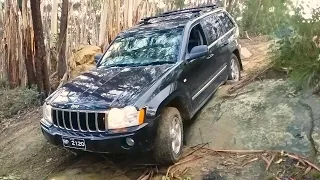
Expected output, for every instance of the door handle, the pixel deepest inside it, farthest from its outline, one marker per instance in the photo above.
(210, 56)
(226, 43)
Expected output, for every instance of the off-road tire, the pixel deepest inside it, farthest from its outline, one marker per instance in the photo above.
(234, 57)
(163, 151)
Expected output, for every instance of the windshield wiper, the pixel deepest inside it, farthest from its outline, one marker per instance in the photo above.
(143, 64)
(157, 63)
(118, 65)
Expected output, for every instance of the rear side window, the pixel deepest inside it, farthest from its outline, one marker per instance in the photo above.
(212, 28)
(226, 22)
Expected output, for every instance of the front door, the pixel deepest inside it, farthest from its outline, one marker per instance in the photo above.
(197, 75)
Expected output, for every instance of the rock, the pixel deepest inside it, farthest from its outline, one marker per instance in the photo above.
(83, 59)
(49, 160)
(245, 53)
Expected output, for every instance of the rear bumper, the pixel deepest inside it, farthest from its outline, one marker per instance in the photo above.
(107, 142)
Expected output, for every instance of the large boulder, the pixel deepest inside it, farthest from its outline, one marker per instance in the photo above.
(83, 59)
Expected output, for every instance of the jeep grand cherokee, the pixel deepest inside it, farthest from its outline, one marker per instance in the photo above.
(151, 79)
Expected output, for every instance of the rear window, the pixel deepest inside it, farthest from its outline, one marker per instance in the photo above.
(212, 28)
(226, 22)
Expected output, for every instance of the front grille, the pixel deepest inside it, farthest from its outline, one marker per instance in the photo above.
(79, 120)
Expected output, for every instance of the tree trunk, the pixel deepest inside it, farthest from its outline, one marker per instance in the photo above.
(103, 23)
(83, 31)
(225, 4)
(125, 14)
(27, 46)
(130, 9)
(118, 15)
(40, 53)
(12, 38)
(230, 5)
(62, 67)
(54, 22)
(110, 22)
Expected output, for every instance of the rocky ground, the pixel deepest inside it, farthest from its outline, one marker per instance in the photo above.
(268, 114)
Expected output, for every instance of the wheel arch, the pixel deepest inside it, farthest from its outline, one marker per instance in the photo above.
(177, 101)
(237, 53)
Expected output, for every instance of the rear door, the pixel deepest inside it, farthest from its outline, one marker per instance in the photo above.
(214, 34)
(228, 31)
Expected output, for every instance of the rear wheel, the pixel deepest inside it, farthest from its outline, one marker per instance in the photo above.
(234, 69)
(169, 139)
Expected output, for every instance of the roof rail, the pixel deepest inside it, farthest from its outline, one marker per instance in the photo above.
(145, 19)
(176, 12)
(192, 9)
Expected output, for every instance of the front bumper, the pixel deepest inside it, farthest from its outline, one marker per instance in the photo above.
(107, 142)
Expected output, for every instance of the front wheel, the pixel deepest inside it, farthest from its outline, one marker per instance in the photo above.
(169, 139)
(234, 69)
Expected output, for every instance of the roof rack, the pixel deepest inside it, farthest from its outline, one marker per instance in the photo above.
(200, 8)
(176, 12)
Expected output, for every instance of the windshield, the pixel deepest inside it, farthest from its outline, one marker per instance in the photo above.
(153, 47)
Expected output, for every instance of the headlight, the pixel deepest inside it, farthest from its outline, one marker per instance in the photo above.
(125, 117)
(47, 112)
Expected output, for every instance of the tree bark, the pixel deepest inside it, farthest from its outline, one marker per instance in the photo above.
(110, 22)
(62, 67)
(54, 21)
(12, 35)
(103, 23)
(118, 15)
(40, 53)
(230, 5)
(225, 4)
(27, 46)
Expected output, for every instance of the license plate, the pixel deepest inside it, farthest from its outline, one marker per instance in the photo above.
(73, 143)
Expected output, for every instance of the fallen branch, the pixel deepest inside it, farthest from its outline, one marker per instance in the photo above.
(297, 158)
(248, 80)
(312, 165)
(145, 174)
(250, 161)
(199, 146)
(271, 160)
(307, 170)
(182, 162)
(239, 151)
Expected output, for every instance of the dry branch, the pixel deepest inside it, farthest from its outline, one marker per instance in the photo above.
(250, 161)
(182, 162)
(248, 80)
(196, 149)
(271, 160)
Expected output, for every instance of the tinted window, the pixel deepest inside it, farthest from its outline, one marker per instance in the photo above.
(212, 28)
(144, 48)
(226, 22)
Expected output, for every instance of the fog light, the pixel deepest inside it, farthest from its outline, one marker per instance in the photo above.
(130, 141)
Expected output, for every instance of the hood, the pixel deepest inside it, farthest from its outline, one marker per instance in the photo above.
(106, 87)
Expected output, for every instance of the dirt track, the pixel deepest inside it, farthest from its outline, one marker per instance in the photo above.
(24, 153)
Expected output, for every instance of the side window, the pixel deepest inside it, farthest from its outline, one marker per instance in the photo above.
(212, 28)
(196, 37)
(226, 22)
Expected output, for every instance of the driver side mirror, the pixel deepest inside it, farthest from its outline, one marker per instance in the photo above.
(97, 57)
(198, 51)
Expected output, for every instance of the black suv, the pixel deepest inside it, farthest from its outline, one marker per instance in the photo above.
(151, 79)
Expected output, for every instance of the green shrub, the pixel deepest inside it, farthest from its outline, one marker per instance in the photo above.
(299, 51)
(261, 17)
(18, 99)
